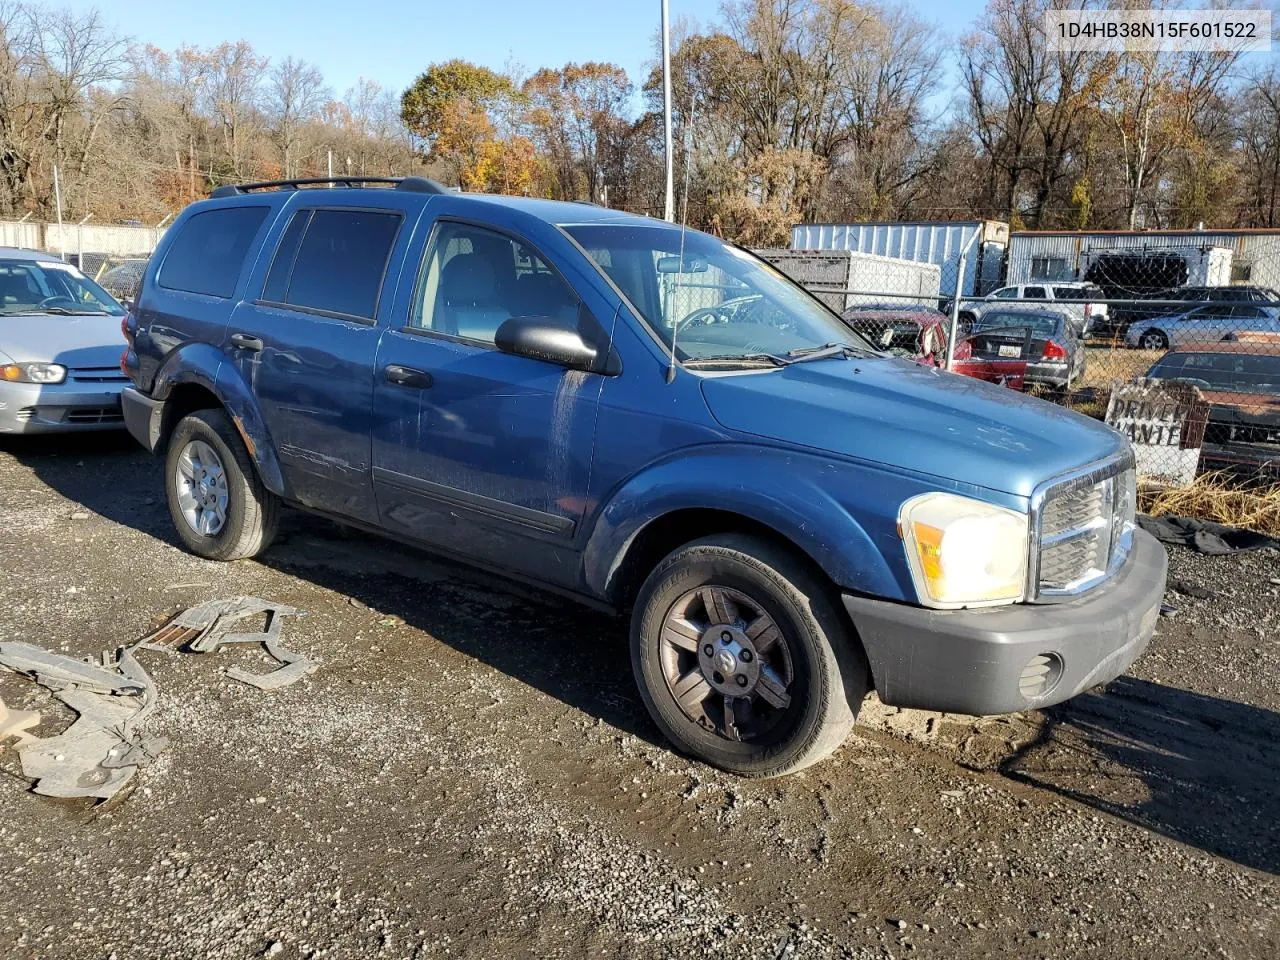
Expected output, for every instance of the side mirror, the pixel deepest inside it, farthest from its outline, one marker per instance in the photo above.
(541, 338)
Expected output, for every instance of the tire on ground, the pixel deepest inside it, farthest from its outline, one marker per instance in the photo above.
(252, 510)
(831, 677)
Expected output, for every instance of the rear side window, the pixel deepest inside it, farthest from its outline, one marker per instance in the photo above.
(1071, 293)
(209, 250)
(333, 261)
(1033, 293)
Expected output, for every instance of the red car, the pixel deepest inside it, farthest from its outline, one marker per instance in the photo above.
(919, 333)
(909, 331)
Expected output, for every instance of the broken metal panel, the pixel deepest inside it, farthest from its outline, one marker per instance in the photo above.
(17, 723)
(102, 750)
(58, 671)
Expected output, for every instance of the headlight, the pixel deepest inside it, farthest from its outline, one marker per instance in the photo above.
(33, 372)
(962, 552)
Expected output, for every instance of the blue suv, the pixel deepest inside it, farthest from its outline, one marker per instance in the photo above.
(650, 420)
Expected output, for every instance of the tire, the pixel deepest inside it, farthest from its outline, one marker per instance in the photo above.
(1153, 339)
(803, 676)
(249, 514)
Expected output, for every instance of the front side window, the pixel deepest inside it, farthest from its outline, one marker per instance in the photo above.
(473, 279)
(207, 254)
(715, 300)
(37, 286)
(1008, 293)
(333, 261)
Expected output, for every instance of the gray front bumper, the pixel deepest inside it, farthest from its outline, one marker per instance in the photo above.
(972, 661)
(58, 408)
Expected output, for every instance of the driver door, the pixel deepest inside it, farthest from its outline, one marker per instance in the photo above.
(477, 451)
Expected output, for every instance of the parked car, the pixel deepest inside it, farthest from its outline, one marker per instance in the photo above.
(1179, 300)
(1047, 341)
(790, 517)
(60, 347)
(123, 279)
(910, 332)
(1202, 324)
(1084, 313)
(1241, 381)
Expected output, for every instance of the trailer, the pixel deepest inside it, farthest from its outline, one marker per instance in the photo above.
(845, 278)
(941, 243)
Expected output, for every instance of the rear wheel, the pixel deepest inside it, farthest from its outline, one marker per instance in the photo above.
(219, 506)
(742, 658)
(1153, 339)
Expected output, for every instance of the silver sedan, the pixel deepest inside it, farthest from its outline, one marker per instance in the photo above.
(1205, 324)
(60, 346)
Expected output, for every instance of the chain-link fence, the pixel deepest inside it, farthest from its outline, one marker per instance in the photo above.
(1161, 344)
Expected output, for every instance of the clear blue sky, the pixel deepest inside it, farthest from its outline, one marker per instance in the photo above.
(392, 41)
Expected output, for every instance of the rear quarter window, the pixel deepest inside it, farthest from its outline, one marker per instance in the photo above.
(209, 250)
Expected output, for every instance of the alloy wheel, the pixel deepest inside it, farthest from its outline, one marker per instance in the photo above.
(201, 485)
(726, 663)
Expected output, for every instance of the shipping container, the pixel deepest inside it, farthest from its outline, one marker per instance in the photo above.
(843, 278)
(936, 242)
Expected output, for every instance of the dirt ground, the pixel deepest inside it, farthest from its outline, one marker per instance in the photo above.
(470, 773)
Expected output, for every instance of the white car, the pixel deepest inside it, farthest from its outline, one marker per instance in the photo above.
(1086, 313)
(1204, 324)
(60, 346)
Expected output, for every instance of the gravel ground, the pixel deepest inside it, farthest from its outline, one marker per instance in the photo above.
(470, 773)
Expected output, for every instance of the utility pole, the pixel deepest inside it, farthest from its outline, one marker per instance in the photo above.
(57, 200)
(669, 209)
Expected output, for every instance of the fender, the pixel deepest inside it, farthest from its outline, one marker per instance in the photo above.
(206, 366)
(842, 514)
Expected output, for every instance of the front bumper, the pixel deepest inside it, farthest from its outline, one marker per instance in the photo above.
(58, 408)
(977, 661)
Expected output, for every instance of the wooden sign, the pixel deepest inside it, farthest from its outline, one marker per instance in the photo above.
(1165, 421)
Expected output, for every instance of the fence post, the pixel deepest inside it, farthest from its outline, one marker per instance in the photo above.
(955, 301)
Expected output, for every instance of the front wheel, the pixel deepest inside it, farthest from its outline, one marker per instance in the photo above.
(220, 508)
(742, 658)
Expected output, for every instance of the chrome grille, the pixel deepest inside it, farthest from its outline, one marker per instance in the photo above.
(1085, 526)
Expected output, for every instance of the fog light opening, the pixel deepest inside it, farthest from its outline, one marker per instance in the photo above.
(1040, 676)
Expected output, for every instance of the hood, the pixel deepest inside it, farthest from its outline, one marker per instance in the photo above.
(70, 341)
(916, 418)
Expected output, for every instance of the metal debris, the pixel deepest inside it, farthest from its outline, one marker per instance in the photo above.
(16, 723)
(102, 750)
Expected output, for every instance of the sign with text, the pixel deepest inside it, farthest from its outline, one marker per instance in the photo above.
(1165, 421)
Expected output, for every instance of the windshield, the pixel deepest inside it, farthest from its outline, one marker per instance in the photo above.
(717, 300)
(1228, 372)
(38, 286)
(1044, 326)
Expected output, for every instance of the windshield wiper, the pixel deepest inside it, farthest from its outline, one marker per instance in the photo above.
(739, 359)
(64, 312)
(827, 350)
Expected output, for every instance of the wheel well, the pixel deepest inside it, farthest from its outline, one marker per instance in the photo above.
(659, 537)
(184, 399)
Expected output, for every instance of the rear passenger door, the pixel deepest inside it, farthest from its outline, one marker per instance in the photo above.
(306, 345)
(478, 451)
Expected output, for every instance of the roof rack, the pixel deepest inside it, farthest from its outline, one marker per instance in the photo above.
(410, 184)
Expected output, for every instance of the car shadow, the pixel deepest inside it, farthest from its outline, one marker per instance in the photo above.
(1199, 769)
(570, 652)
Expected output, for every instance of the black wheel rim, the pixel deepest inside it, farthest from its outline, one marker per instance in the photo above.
(726, 663)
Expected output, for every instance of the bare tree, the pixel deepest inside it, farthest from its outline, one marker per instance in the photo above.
(295, 95)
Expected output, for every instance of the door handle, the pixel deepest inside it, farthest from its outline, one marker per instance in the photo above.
(407, 376)
(246, 342)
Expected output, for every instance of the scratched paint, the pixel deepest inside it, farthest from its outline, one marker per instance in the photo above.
(560, 436)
